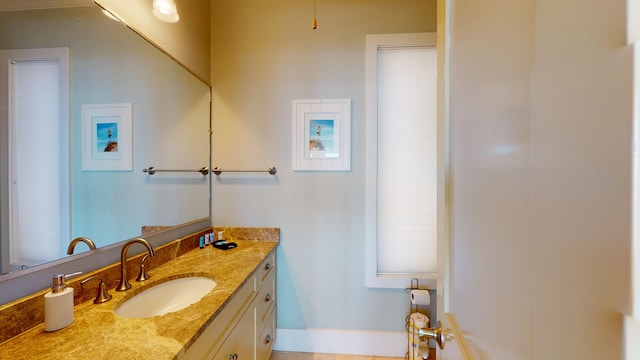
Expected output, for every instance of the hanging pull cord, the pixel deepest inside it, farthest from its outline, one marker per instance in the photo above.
(314, 23)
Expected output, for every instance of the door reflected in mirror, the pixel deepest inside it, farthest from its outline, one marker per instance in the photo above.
(110, 64)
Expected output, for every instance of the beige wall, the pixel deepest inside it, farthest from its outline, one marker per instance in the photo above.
(265, 54)
(541, 168)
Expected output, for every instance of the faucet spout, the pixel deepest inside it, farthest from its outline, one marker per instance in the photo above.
(124, 282)
(86, 240)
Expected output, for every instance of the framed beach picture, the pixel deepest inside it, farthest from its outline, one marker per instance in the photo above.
(321, 134)
(107, 137)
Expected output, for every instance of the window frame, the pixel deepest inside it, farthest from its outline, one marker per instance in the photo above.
(11, 254)
(373, 278)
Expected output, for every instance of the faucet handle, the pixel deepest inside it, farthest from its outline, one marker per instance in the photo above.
(142, 276)
(103, 295)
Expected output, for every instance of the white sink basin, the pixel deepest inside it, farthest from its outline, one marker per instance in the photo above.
(167, 297)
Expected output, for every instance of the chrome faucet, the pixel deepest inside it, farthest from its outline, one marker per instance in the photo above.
(83, 239)
(124, 283)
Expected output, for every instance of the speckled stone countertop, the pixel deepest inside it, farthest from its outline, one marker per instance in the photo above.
(98, 333)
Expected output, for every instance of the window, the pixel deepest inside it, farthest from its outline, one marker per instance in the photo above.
(38, 153)
(402, 159)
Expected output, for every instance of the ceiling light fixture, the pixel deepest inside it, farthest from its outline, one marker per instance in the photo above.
(165, 10)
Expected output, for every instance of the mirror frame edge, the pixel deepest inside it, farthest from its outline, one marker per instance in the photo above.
(206, 81)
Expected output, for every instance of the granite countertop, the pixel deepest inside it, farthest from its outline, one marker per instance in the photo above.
(97, 333)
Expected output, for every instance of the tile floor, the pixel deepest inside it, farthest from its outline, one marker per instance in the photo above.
(280, 355)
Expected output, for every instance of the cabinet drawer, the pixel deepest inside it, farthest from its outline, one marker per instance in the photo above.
(267, 267)
(266, 300)
(266, 338)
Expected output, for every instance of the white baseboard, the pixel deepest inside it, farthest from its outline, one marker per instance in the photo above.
(332, 341)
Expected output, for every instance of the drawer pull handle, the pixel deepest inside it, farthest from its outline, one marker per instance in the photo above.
(267, 266)
(267, 298)
(267, 340)
(233, 356)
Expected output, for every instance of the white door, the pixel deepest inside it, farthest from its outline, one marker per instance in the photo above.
(450, 341)
(453, 345)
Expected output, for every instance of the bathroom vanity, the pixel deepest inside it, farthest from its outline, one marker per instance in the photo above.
(235, 320)
(250, 311)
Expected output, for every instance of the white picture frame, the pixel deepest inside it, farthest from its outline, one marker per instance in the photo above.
(107, 141)
(321, 131)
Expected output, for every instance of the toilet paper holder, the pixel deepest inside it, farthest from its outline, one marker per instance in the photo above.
(439, 334)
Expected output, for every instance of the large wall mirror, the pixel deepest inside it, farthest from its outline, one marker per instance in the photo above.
(170, 128)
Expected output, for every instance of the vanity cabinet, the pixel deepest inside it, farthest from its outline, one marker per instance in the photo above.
(245, 328)
(266, 309)
(241, 343)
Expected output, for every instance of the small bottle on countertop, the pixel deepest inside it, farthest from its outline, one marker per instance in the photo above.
(58, 304)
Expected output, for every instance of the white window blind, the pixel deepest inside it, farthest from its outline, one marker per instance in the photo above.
(407, 159)
(38, 147)
(402, 160)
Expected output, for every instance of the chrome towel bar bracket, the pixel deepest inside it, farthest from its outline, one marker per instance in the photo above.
(151, 170)
(272, 170)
